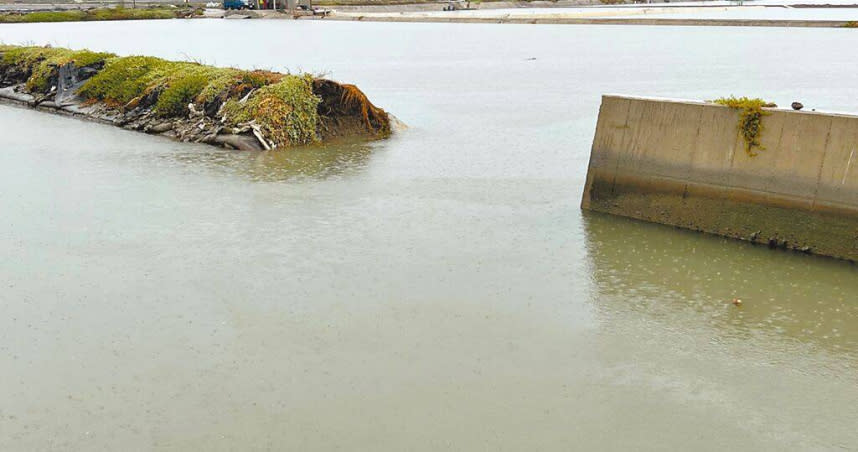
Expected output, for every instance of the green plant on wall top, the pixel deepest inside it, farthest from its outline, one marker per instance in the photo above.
(750, 119)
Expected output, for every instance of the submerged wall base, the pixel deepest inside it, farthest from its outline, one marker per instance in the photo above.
(683, 164)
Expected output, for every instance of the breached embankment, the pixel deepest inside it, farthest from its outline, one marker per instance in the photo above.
(189, 102)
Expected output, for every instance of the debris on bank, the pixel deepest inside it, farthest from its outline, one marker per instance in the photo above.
(190, 102)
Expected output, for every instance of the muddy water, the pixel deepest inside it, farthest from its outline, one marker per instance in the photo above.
(437, 291)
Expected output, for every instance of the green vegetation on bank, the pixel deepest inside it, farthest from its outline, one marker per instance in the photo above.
(286, 110)
(283, 106)
(99, 14)
(750, 119)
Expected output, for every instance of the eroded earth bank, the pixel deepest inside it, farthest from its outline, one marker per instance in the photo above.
(190, 102)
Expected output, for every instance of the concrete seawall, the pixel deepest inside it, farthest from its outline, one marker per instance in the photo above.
(684, 164)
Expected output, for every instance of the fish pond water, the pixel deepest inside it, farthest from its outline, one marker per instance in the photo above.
(440, 290)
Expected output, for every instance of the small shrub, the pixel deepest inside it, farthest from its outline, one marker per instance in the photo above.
(750, 119)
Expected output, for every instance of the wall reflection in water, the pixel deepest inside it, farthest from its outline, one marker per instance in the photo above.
(686, 281)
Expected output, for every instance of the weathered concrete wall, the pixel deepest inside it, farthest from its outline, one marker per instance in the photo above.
(684, 164)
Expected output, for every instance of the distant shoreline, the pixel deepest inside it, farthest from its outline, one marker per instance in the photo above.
(598, 21)
(425, 12)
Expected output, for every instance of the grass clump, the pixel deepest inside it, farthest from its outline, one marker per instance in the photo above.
(286, 111)
(750, 119)
(219, 84)
(128, 81)
(234, 82)
(122, 79)
(179, 92)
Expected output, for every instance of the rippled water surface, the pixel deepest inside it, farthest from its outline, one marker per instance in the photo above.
(440, 290)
